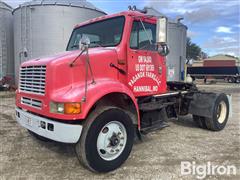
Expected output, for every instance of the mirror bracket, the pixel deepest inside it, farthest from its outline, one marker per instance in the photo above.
(163, 49)
(84, 42)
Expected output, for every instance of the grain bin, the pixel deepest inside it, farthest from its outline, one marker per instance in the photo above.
(43, 27)
(177, 38)
(177, 35)
(6, 41)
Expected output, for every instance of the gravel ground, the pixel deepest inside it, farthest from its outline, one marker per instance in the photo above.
(158, 156)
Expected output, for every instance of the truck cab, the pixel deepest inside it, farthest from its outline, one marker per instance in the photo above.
(108, 86)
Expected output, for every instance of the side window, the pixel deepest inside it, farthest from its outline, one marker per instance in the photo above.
(140, 38)
(134, 36)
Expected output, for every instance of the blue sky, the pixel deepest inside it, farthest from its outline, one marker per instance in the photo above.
(212, 24)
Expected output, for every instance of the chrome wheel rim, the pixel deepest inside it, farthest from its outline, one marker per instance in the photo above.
(111, 140)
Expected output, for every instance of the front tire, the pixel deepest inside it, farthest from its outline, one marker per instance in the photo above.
(107, 139)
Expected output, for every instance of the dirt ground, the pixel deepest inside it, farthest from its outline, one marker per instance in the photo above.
(158, 156)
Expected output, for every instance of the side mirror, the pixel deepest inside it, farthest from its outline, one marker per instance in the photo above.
(84, 42)
(161, 36)
(163, 49)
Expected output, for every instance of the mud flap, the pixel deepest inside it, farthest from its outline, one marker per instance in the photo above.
(203, 104)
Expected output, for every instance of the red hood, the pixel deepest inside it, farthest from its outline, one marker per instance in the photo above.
(60, 75)
(67, 56)
(46, 60)
(64, 83)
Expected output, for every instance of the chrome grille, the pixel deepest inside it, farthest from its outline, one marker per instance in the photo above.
(31, 102)
(33, 79)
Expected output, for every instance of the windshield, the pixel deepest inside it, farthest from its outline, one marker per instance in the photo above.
(106, 33)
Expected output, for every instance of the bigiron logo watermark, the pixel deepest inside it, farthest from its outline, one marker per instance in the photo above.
(201, 171)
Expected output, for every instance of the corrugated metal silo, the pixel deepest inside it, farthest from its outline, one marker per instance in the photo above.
(6, 41)
(177, 38)
(43, 27)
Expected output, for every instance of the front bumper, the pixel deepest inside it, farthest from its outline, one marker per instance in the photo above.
(57, 131)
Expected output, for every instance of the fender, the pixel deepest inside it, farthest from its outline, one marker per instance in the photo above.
(95, 92)
(104, 87)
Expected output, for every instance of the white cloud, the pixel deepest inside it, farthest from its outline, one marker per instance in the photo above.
(196, 11)
(223, 45)
(229, 39)
(232, 54)
(221, 42)
(224, 29)
(204, 15)
(192, 34)
(231, 51)
(14, 3)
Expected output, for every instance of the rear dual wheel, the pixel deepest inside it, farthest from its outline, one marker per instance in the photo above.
(219, 118)
(238, 80)
(106, 140)
(200, 121)
(231, 79)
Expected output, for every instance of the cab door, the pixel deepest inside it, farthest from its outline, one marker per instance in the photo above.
(146, 68)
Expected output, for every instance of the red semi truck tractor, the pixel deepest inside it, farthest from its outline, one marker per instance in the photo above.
(109, 87)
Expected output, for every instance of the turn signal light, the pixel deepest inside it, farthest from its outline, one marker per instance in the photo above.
(72, 108)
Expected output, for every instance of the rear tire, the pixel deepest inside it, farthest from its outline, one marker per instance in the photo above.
(106, 140)
(220, 114)
(238, 80)
(200, 121)
(231, 79)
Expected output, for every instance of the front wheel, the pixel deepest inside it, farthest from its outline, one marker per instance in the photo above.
(107, 139)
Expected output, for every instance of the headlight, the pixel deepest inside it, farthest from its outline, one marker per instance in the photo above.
(65, 108)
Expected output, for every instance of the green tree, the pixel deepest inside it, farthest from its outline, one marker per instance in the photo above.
(193, 50)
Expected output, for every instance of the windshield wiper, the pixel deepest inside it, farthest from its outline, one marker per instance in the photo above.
(72, 63)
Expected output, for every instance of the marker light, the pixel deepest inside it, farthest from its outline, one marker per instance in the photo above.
(72, 108)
